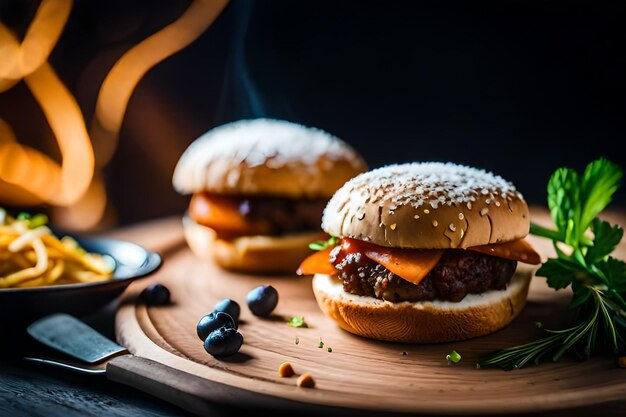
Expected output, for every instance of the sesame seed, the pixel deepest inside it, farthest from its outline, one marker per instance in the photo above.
(461, 216)
(417, 216)
(498, 204)
(435, 223)
(393, 226)
(452, 227)
(469, 205)
(488, 201)
(426, 211)
(484, 211)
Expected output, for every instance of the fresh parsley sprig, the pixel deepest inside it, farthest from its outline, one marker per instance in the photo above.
(583, 244)
(324, 244)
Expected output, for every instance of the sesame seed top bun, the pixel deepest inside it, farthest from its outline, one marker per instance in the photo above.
(427, 205)
(267, 157)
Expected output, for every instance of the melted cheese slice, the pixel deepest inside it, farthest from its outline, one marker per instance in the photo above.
(517, 250)
(410, 264)
(318, 263)
(222, 214)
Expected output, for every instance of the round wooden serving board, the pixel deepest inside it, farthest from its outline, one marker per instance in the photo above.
(358, 373)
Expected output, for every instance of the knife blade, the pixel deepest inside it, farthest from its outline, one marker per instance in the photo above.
(101, 356)
(71, 336)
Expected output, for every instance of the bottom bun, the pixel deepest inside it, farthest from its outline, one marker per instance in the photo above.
(425, 321)
(253, 254)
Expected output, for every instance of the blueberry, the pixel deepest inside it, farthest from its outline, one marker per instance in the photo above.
(229, 307)
(224, 341)
(156, 295)
(262, 300)
(212, 322)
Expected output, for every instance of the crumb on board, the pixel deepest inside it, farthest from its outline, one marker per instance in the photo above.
(306, 381)
(285, 370)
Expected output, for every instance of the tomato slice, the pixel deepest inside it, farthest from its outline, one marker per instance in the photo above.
(222, 214)
(318, 263)
(517, 250)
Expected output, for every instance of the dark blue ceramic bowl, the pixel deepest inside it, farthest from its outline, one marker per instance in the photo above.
(21, 306)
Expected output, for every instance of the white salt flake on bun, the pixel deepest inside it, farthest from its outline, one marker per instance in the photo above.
(428, 205)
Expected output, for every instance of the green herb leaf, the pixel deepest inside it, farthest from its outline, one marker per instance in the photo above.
(298, 321)
(563, 199)
(615, 271)
(330, 349)
(605, 238)
(323, 244)
(598, 280)
(321, 345)
(559, 272)
(598, 184)
(453, 357)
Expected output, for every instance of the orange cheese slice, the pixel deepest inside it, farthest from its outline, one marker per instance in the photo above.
(517, 250)
(221, 213)
(318, 263)
(410, 264)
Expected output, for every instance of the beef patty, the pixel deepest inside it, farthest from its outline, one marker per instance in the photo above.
(458, 273)
(283, 215)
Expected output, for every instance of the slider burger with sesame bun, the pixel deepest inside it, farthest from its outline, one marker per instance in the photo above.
(258, 191)
(423, 252)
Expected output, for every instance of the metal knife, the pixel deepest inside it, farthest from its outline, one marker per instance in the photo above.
(92, 353)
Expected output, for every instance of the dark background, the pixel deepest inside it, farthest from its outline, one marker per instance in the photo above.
(516, 87)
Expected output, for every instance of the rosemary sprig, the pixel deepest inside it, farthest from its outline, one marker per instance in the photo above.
(583, 244)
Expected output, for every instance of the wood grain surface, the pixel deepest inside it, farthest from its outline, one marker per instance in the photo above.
(358, 373)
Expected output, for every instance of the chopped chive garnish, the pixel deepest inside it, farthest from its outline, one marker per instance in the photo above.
(297, 340)
(297, 321)
(38, 220)
(323, 244)
(453, 357)
(321, 345)
(330, 349)
(23, 216)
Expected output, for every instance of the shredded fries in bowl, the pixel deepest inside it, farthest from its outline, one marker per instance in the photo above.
(32, 256)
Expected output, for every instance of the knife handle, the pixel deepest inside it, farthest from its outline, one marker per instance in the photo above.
(190, 392)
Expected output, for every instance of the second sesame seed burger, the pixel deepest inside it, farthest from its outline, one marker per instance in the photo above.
(259, 188)
(423, 252)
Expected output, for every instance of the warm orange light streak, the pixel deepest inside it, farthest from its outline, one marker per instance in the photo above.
(135, 63)
(67, 123)
(87, 212)
(19, 183)
(43, 33)
(27, 176)
(20, 60)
